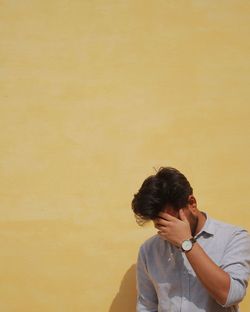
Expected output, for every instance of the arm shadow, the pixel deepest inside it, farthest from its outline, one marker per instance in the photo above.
(125, 299)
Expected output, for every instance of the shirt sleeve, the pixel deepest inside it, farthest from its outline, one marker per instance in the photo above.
(236, 262)
(146, 295)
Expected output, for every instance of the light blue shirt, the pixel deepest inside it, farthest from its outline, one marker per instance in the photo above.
(166, 281)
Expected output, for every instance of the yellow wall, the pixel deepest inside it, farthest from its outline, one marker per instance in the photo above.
(94, 95)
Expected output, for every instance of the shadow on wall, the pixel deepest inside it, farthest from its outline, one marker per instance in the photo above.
(125, 300)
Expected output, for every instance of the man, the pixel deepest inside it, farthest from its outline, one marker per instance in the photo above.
(194, 263)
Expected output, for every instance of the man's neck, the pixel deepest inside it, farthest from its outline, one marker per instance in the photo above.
(201, 221)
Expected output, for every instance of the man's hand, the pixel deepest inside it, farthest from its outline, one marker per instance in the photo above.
(212, 277)
(173, 229)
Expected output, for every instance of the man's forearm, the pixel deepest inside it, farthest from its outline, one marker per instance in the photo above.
(213, 278)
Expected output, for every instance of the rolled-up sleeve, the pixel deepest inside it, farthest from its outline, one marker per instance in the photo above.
(146, 295)
(236, 262)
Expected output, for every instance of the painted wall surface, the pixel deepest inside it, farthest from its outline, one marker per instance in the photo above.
(94, 95)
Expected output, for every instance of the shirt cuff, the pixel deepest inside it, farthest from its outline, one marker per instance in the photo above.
(236, 293)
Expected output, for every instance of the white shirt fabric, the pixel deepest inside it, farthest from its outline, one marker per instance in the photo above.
(166, 281)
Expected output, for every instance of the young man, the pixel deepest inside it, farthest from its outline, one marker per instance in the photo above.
(194, 263)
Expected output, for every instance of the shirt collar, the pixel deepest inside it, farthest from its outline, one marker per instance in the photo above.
(208, 226)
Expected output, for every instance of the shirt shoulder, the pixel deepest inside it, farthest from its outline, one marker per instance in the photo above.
(153, 242)
(227, 229)
(228, 236)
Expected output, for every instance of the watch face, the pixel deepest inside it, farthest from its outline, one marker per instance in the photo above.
(186, 245)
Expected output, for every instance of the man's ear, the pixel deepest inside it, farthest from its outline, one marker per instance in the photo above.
(192, 203)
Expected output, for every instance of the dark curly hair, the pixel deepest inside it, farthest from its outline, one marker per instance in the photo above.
(167, 187)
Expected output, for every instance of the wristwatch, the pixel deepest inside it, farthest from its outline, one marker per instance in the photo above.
(188, 244)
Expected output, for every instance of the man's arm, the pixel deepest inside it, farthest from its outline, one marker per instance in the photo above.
(236, 262)
(146, 295)
(226, 284)
(213, 278)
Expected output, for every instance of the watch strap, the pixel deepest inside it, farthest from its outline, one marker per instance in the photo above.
(193, 240)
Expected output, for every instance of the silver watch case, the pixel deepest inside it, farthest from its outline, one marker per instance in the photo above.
(187, 244)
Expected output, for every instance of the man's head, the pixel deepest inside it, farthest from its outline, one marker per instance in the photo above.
(168, 190)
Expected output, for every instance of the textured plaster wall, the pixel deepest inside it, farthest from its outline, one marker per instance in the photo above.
(93, 96)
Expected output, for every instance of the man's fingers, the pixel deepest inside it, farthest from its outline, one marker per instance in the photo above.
(159, 226)
(161, 221)
(166, 216)
(161, 218)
